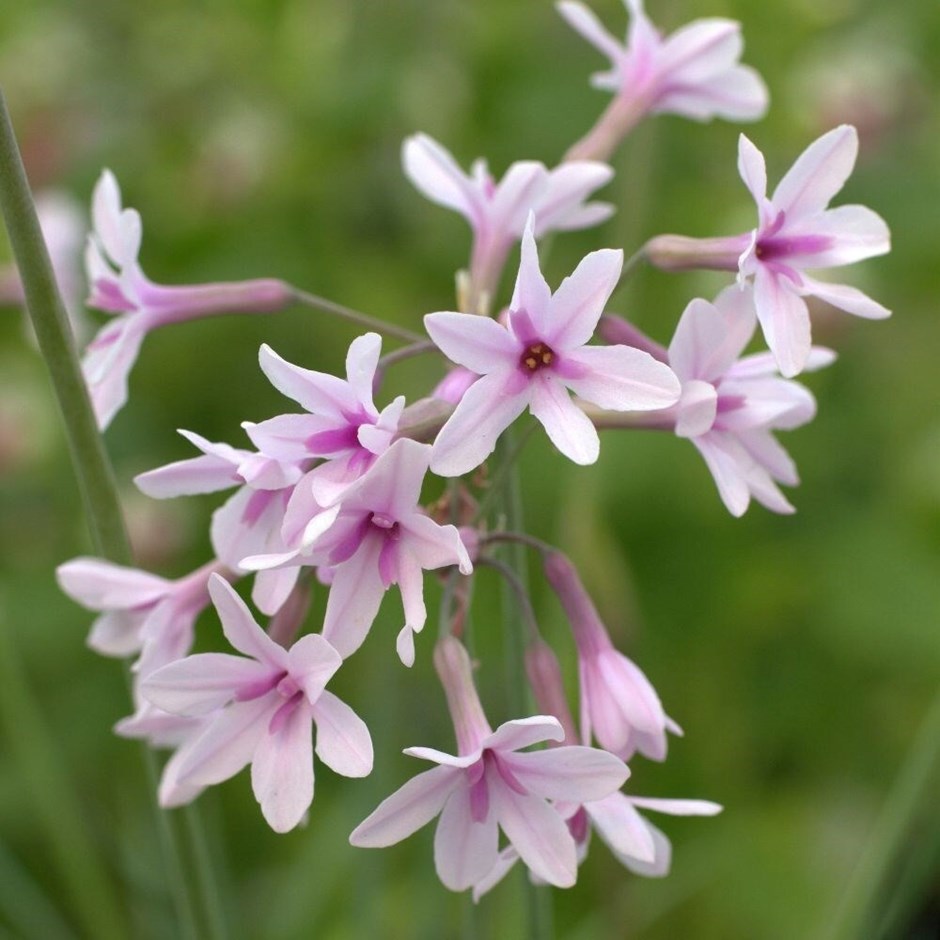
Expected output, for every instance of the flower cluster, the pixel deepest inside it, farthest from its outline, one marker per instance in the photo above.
(335, 490)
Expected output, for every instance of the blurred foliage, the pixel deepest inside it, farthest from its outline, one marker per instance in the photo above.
(261, 137)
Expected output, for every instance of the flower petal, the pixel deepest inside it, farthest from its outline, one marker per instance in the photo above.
(355, 596)
(568, 427)
(343, 740)
(464, 850)
(435, 546)
(312, 662)
(621, 827)
(272, 587)
(697, 409)
(752, 170)
(531, 295)
(621, 378)
(578, 303)
(818, 174)
(240, 628)
(435, 173)
(103, 585)
(408, 809)
(677, 807)
(478, 343)
(784, 318)
(522, 732)
(583, 21)
(570, 773)
(845, 298)
(487, 408)
(318, 392)
(282, 771)
(518, 193)
(709, 338)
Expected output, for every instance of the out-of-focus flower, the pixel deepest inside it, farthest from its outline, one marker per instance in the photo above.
(377, 536)
(534, 361)
(694, 72)
(497, 211)
(619, 706)
(490, 786)
(119, 286)
(796, 231)
(261, 710)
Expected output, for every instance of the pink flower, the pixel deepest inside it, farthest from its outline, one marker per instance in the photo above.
(535, 360)
(796, 231)
(250, 522)
(695, 72)
(262, 709)
(119, 286)
(343, 427)
(619, 706)
(497, 212)
(730, 406)
(377, 536)
(490, 786)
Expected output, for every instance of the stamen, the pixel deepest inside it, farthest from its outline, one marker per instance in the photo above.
(537, 356)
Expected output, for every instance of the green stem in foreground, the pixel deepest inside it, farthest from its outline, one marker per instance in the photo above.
(912, 796)
(89, 458)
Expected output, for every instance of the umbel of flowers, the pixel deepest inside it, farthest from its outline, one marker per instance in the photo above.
(335, 489)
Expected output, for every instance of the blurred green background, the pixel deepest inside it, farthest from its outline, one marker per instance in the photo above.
(801, 655)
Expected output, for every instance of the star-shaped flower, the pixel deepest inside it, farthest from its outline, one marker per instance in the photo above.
(535, 360)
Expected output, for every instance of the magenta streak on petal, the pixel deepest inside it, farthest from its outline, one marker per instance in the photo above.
(253, 690)
(388, 557)
(728, 403)
(768, 249)
(107, 295)
(256, 506)
(360, 460)
(479, 792)
(566, 369)
(578, 825)
(502, 768)
(281, 716)
(350, 545)
(331, 442)
(105, 338)
(784, 270)
(522, 327)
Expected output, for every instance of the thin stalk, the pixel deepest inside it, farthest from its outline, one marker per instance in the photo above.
(521, 538)
(354, 316)
(913, 792)
(522, 598)
(93, 469)
(537, 899)
(504, 474)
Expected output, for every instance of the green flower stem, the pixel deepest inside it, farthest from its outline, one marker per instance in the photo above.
(98, 491)
(354, 316)
(912, 797)
(538, 899)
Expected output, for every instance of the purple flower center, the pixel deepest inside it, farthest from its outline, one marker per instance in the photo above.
(536, 356)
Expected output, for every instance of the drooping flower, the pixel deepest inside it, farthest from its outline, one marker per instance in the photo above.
(497, 211)
(535, 360)
(619, 706)
(694, 72)
(261, 708)
(120, 287)
(796, 232)
(343, 427)
(377, 536)
(250, 521)
(492, 785)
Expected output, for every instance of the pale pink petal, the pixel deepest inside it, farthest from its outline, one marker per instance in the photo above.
(435, 546)
(287, 437)
(343, 740)
(578, 303)
(318, 392)
(436, 174)
(836, 237)
(171, 793)
(330, 480)
(240, 628)
(537, 832)
(531, 295)
(188, 477)
(440, 757)
(312, 662)
(769, 454)
(229, 742)
(752, 169)
(662, 856)
(103, 585)
(697, 409)
(407, 809)
(487, 408)
(355, 596)
(818, 174)
(247, 524)
(504, 863)
(272, 588)
(119, 230)
(570, 773)
(410, 578)
(722, 463)
(784, 318)
(632, 691)
(478, 343)
(583, 21)
(116, 633)
(203, 683)
(699, 50)
(393, 484)
(561, 206)
(709, 338)
(677, 807)
(106, 372)
(621, 378)
(361, 362)
(282, 771)
(845, 298)
(464, 850)
(569, 429)
(522, 732)
(621, 827)
(738, 94)
(519, 192)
